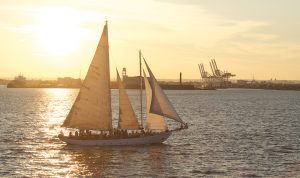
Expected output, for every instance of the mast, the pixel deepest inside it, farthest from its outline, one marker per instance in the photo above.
(141, 88)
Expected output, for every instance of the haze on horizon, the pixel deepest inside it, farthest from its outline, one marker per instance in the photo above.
(250, 38)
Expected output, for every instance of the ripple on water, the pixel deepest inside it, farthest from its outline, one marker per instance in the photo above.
(232, 133)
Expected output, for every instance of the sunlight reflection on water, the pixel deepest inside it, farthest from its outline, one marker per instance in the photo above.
(234, 133)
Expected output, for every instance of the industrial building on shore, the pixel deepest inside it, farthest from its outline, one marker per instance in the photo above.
(134, 82)
(20, 81)
(216, 80)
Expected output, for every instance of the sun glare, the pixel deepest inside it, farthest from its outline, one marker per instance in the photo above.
(59, 31)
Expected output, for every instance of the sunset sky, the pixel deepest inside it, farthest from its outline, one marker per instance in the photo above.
(56, 38)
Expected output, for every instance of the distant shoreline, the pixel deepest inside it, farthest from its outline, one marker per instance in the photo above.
(294, 87)
(134, 83)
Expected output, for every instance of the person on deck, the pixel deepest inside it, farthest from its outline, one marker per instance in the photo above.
(186, 126)
(61, 134)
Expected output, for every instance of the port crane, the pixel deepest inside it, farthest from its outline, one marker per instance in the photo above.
(218, 78)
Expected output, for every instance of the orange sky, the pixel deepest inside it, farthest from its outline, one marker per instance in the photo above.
(49, 39)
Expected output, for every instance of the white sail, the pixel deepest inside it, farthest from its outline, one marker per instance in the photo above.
(160, 104)
(92, 107)
(127, 118)
(154, 121)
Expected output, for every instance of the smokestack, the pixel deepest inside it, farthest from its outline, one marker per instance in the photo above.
(124, 74)
(180, 78)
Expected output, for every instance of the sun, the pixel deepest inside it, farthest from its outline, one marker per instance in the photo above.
(59, 31)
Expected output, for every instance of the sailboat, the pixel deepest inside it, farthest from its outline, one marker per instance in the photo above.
(91, 112)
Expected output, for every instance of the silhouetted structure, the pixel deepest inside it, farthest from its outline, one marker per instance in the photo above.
(134, 83)
(218, 78)
(180, 78)
(4, 82)
(67, 82)
(268, 85)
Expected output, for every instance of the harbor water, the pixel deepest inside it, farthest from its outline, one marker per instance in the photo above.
(232, 133)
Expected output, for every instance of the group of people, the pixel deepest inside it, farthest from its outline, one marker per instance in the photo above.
(81, 133)
(184, 126)
(114, 133)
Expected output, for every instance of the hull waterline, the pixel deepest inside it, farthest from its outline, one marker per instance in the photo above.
(151, 139)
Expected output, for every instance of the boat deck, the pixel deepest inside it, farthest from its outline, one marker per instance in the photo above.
(146, 139)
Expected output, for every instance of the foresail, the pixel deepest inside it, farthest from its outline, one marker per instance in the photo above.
(127, 118)
(92, 107)
(160, 104)
(154, 121)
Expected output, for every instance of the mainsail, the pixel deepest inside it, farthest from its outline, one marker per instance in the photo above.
(92, 107)
(160, 104)
(154, 121)
(127, 118)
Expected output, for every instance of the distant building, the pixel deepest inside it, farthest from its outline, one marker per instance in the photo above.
(4, 82)
(242, 82)
(132, 82)
(135, 83)
(68, 82)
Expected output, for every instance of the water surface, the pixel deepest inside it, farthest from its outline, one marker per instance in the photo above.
(232, 133)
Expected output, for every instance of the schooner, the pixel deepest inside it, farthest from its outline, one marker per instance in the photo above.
(92, 110)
